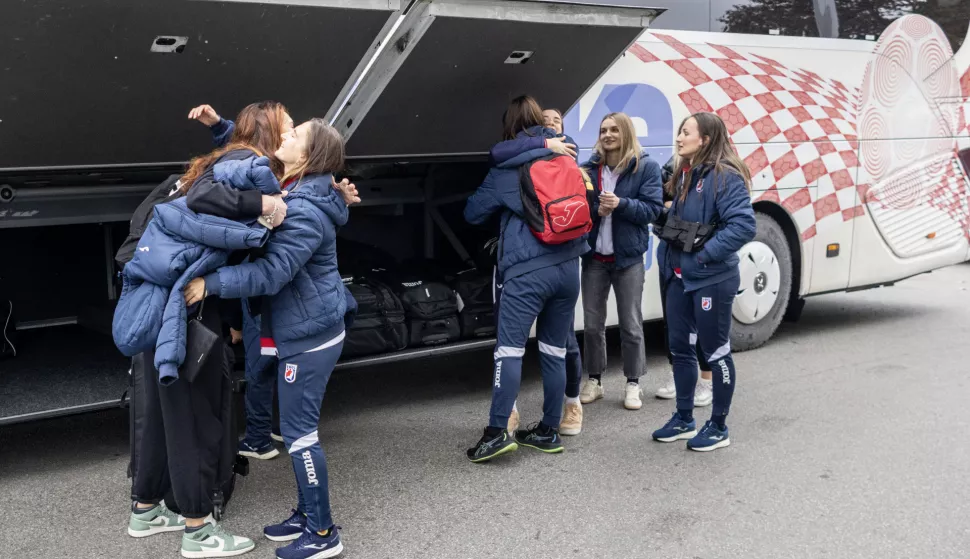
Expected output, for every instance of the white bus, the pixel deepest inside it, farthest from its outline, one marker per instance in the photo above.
(851, 190)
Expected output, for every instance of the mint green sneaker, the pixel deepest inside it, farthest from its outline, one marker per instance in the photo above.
(213, 541)
(155, 520)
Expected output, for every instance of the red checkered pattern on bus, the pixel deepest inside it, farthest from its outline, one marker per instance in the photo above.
(794, 129)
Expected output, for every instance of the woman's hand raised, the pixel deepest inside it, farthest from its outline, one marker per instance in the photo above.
(348, 191)
(194, 291)
(205, 114)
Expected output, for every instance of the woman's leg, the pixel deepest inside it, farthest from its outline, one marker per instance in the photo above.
(683, 338)
(596, 292)
(628, 287)
(260, 381)
(712, 311)
(553, 330)
(302, 383)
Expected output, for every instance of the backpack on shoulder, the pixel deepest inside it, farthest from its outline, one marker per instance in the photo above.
(143, 214)
(553, 190)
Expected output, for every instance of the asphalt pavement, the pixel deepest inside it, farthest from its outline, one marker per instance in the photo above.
(847, 437)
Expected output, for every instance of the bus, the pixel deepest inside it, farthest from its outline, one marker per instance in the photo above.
(850, 191)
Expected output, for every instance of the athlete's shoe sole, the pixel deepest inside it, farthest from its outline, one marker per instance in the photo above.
(205, 554)
(289, 538)
(505, 450)
(154, 530)
(556, 450)
(265, 456)
(678, 437)
(332, 552)
(715, 446)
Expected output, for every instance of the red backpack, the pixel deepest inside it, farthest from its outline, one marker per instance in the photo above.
(553, 191)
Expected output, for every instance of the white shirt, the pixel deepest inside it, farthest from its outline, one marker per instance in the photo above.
(604, 240)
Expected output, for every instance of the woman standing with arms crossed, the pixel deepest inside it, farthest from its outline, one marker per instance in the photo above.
(307, 312)
(710, 186)
(630, 198)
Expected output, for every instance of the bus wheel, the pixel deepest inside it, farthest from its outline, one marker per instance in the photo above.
(766, 270)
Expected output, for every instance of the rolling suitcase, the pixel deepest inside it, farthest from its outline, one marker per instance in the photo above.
(230, 464)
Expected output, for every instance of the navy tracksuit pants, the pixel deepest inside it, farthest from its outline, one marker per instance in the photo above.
(574, 359)
(260, 382)
(702, 317)
(301, 384)
(546, 297)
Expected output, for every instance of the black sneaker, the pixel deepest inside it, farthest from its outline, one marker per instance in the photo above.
(491, 447)
(540, 437)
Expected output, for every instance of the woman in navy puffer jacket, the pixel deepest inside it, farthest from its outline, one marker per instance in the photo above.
(306, 317)
(710, 186)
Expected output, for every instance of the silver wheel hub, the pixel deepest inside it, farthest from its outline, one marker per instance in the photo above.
(760, 282)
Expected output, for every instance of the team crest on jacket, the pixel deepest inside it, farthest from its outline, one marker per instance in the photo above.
(705, 305)
(700, 185)
(289, 374)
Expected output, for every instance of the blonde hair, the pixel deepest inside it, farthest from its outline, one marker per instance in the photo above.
(629, 143)
(717, 153)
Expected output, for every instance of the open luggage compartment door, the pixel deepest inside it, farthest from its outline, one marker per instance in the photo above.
(442, 81)
(110, 82)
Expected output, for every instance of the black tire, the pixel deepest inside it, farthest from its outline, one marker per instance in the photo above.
(751, 336)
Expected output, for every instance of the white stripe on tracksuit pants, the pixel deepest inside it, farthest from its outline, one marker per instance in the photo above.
(548, 298)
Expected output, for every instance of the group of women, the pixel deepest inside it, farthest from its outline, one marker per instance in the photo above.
(540, 283)
(295, 307)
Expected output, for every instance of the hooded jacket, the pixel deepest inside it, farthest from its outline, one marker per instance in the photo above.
(178, 245)
(308, 304)
(720, 198)
(519, 251)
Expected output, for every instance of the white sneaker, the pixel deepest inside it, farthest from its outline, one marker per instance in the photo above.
(703, 394)
(668, 391)
(591, 391)
(572, 420)
(632, 399)
(513, 421)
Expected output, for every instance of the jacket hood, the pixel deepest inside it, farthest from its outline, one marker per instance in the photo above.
(531, 155)
(319, 191)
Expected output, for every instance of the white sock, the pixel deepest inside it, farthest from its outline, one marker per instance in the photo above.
(573, 401)
(708, 382)
(514, 404)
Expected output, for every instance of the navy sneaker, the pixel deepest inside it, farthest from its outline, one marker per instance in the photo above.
(710, 438)
(260, 452)
(676, 429)
(491, 447)
(540, 437)
(288, 530)
(313, 546)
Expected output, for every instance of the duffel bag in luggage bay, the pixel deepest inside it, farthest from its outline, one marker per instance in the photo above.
(379, 326)
(431, 309)
(476, 307)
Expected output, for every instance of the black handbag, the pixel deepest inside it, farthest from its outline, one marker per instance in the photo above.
(687, 236)
(200, 344)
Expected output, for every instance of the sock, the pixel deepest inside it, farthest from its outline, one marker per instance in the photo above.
(572, 401)
(705, 381)
(597, 378)
(492, 431)
(720, 421)
(686, 415)
(193, 530)
(515, 405)
(633, 381)
(323, 533)
(137, 509)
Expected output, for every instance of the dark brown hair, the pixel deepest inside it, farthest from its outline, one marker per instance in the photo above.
(717, 153)
(324, 151)
(259, 127)
(523, 113)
